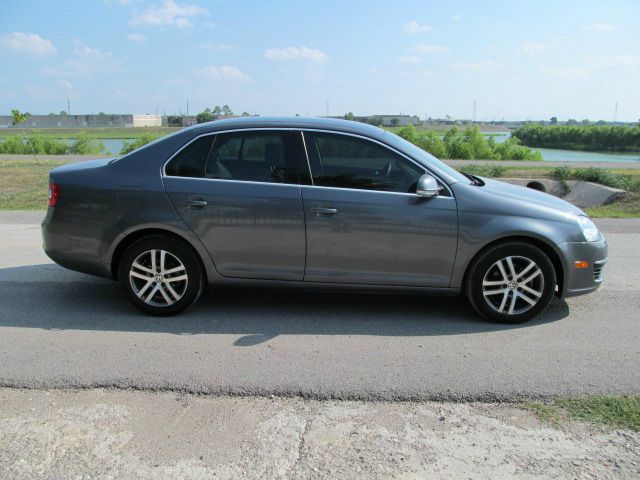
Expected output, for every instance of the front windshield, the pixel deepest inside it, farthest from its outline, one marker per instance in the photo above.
(423, 156)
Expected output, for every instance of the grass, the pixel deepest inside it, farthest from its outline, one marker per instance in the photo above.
(607, 410)
(99, 133)
(628, 207)
(24, 184)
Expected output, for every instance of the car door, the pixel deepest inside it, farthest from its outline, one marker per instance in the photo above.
(239, 193)
(364, 222)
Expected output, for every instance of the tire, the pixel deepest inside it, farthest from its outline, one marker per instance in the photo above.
(491, 288)
(162, 275)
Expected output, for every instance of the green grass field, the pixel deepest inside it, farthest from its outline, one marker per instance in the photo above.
(100, 133)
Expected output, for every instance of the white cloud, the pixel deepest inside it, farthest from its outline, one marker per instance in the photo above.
(484, 66)
(572, 73)
(613, 61)
(600, 27)
(430, 49)
(86, 61)
(455, 18)
(28, 43)
(222, 72)
(531, 48)
(137, 37)
(374, 72)
(409, 59)
(217, 47)
(296, 53)
(169, 13)
(425, 72)
(414, 27)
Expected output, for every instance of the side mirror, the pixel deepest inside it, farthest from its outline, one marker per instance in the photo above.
(427, 187)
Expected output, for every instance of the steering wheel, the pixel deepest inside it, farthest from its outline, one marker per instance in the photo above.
(386, 171)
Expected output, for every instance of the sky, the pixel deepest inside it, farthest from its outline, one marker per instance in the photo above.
(517, 60)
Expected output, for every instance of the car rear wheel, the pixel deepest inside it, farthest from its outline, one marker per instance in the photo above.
(511, 282)
(161, 275)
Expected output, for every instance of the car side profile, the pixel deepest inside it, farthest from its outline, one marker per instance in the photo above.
(319, 203)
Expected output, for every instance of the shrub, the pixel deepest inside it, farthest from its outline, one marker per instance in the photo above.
(137, 143)
(494, 171)
(84, 145)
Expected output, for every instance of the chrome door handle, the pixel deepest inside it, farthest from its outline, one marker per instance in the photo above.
(324, 211)
(197, 203)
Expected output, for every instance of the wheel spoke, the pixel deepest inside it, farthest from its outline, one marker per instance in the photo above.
(512, 305)
(172, 291)
(504, 301)
(512, 270)
(153, 261)
(141, 276)
(142, 267)
(177, 269)
(530, 301)
(505, 277)
(164, 294)
(531, 291)
(528, 267)
(144, 288)
(531, 277)
(153, 292)
(492, 283)
(487, 293)
(176, 279)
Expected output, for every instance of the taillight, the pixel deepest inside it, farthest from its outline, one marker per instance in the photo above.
(54, 193)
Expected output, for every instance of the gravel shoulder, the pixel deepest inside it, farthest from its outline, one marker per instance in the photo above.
(132, 434)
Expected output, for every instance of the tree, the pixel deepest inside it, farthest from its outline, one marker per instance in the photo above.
(205, 116)
(349, 116)
(217, 111)
(62, 112)
(394, 122)
(572, 121)
(18, 117)
(226, 111)
(246, 114)
(553, 121)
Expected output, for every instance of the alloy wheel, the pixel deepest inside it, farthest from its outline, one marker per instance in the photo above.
(513, 285)
(158, 278)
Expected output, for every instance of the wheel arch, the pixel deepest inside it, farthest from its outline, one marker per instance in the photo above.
(132, 237)
(547, 248)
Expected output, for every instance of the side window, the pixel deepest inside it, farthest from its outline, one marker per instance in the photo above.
(350, 162)
(260, 156)
(191, 160)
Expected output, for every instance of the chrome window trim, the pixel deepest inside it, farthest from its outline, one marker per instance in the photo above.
(306, 155)
(163, 172)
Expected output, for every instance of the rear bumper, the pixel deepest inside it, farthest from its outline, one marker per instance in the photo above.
(74, 252)
(580, 281)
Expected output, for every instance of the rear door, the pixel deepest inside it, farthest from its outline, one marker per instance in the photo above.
(366, 225)
(239, 193)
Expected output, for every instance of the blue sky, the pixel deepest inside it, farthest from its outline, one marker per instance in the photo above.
(518, 60)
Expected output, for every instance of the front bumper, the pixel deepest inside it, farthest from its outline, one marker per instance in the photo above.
(580, 281)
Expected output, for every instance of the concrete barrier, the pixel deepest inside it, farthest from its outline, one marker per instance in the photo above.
(582, 194)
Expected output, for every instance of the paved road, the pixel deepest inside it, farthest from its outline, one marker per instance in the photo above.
(64, 329)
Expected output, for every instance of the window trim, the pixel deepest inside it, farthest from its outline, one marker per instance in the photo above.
(163, 173)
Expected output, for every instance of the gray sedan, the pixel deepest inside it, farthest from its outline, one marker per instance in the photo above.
(301, 202)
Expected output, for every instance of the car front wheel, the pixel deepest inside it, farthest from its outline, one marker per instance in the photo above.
(161, 275)
(511, 282)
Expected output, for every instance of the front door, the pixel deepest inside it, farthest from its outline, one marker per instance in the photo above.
(240, 195)
(364, 222)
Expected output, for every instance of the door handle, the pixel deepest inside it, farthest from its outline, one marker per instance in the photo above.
(197, 203)
(324, 211)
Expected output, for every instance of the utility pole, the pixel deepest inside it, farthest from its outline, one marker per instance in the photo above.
(68, 106)
(474, 111)
(615, 113)
(187, 107)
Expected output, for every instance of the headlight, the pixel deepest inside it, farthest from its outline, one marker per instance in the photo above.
(589, 229)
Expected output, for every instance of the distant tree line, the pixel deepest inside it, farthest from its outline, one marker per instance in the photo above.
(580, 137)
(470, 144)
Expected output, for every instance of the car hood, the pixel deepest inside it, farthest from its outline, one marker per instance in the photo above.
(528, 197)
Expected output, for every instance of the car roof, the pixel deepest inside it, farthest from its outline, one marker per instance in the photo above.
(319, 123)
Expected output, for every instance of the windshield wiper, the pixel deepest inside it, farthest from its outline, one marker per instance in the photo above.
(474, 180)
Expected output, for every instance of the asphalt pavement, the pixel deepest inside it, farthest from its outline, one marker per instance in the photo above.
(62, 329)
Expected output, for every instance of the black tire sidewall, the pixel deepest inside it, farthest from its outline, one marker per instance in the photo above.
(492, 255)
(184, 253)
